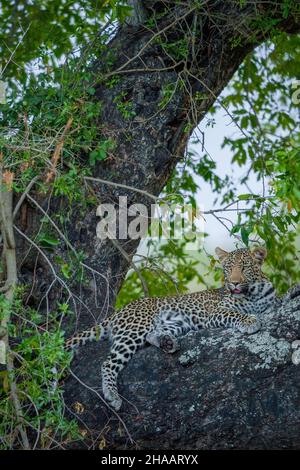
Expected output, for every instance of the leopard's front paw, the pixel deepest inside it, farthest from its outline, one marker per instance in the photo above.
(113, 398)
(169, 344)
(249, 325)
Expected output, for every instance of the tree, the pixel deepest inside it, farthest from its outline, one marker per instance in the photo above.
(114, 120)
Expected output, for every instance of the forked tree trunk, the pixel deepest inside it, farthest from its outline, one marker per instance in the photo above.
(148, 146)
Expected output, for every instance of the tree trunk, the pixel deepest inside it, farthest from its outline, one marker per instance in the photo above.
(148, 145)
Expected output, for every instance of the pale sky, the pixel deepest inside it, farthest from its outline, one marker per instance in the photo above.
(218, 235)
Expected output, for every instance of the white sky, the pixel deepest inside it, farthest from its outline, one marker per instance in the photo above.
(214, 136)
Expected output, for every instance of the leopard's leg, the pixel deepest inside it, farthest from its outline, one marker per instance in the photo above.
(229, 319)
(249, 324)
(122, 350)
(163, 339)
(168, 327)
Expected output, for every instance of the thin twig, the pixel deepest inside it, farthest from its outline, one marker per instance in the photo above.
(120, 185)
(24, 194)
(58, 149)
(14, 51)
(132, 264)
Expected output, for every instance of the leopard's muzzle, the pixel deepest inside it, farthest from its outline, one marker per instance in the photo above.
(237, 288)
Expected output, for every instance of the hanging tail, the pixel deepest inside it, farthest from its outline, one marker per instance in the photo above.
(96, 333)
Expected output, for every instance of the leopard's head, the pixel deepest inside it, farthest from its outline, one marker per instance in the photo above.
(242, 268)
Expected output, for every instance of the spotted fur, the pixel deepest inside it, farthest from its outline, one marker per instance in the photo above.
(161, 320)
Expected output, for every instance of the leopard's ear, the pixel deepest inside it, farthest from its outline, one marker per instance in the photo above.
(259, 253)
(221, 254)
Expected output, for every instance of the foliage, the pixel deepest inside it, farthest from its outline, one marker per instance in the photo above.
(260, 102)
(41, 364)
(48, 30)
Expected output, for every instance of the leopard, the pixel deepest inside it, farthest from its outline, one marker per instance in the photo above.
(161, 321)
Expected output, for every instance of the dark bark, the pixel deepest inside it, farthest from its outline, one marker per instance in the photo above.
(222, 390)
(148, 146)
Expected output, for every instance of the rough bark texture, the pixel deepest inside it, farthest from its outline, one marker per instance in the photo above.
(222, 390)
(148, 146)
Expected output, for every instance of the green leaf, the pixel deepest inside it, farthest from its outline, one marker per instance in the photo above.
(245, 235)
(244, 197)
(47, 241)
(66, 270)
(235, 229)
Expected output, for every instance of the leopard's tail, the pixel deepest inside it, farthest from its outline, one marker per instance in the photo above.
(96, 333)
